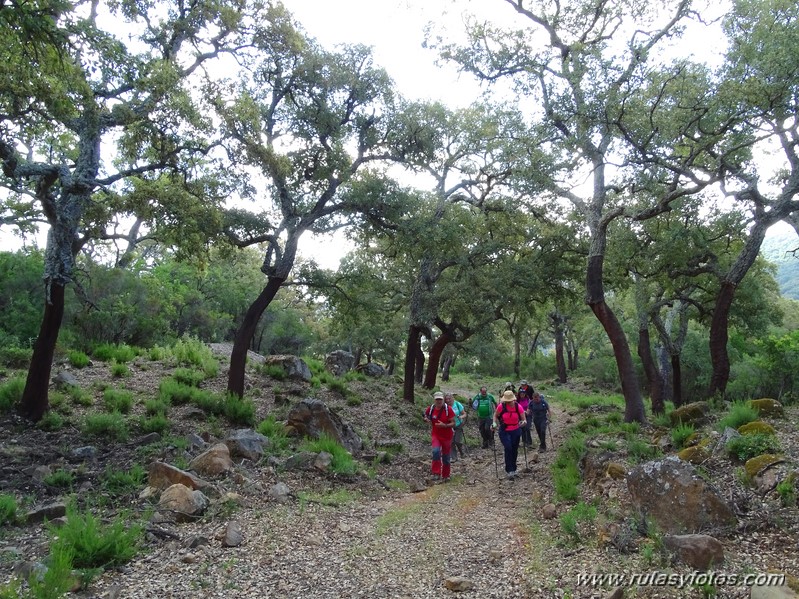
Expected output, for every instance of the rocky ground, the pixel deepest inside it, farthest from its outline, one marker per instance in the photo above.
(388, 531)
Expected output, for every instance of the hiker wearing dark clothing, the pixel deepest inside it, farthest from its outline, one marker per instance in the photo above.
(485, 404)
(539, 409)
(442, 422)
(524, 395)
(509, 418)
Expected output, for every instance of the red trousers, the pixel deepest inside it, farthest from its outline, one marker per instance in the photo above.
(442, 446)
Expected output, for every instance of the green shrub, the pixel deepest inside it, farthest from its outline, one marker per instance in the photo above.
(740, 413)
(273, 371)
(192, 352)
(8, 509)
(238, 410)
(342, 462)
(159, 354)
(117, 482)
(57, 580)
(110, 426)
(680, 434)
(173, 392)
(276, 433)
(119, 369)
(208, 402)
(750, 446)
(569, 521)
(62, 479)
(337, 385)
(786, 489)
(314, 365)
(15, 357)
(566, 479)
(11, 393)
(354, 375)
(158, 423)
(104, 352)
(79, 395)
(641, 451)
(118, 400)
(78, 359)
(94, 544)
(51, 421)
(156, 406)
(187, 376)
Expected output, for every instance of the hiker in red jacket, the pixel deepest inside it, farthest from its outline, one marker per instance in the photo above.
(442, 420)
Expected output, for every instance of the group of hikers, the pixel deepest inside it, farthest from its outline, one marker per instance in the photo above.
(511, 417)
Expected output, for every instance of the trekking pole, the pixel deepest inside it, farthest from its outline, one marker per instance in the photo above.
(549, 428)
(526, 465)
(494, 445)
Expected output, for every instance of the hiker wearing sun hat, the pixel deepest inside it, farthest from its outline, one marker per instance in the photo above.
(442, 421)
(509, 418)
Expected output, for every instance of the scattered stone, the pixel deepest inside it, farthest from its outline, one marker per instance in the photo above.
(312, 418)
(617, 593)
(549, 511)
(768, 407)
(692, 413)
(339, 362)
(147, 439)
(758, 427)
(676, 498)
(163, 475)
(698, 551)
(294, 367)
(65, 379)
(416, 486)
(184, 503)
(323, 461)
(82, 454)
(232, 536)
(280, 492)
(213, 461)
(195, 541)
(458, 584)
(246, 443)
(695, 455)
(372, 369)
(49, 511)
(757, 465)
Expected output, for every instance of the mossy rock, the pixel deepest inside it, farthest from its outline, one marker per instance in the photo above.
(694, 455)
(767, 407)
(692, 413)
(693, 439)
(758, 464)
(616, 471)
(756, 427)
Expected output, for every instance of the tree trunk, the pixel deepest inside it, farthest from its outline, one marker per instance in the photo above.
(357, 357)
(435, 359)
(238, 357)
(719, 358)
(414, 333)
(595, 297)
(664, 367)
(448, 362)
(419, 366)
(676, 376)
(517, 353)
(557, 326)
(34, 401)
(651, 371)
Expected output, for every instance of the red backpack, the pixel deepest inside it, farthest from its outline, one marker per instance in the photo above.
(432, 416)
(506, 415)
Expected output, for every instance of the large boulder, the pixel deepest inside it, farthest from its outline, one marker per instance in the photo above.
(294, 367)
(246, 443)
(312, 418)
(213, 461)
(767, 407)
(698, 551)
(372, 369)
(184, 504)
(676, 498)
(339, 362)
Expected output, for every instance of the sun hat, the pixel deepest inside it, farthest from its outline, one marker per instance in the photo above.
(438, 395)
(508, 384)
(508, 396)
(524, 382)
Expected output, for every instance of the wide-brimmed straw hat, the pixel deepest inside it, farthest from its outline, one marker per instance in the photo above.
(508, 396)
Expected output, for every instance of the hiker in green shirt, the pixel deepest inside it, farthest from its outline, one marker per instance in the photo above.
(485, 404)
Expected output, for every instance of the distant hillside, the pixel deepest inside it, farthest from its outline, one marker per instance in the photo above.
(781, 247)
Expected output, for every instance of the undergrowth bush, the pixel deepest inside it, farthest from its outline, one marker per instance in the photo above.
(8, 509)
(238, 410)
(94, 544)
(739, 413)
(78, 359)
(342, 462)
(745, 447)
(11, 393)
(188, 376)
(118, 400)
(123, 482)
(157, 423)
(275, 431)
(110, 426)
(680, 434)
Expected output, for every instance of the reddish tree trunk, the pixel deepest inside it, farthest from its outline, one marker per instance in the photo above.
(719, 359)
(676, 377)
(34, 401)
(419, 366)
(651, 371)
(435, 359)
(445, 368)
(241, 343)
(414, 333)
(633, 403)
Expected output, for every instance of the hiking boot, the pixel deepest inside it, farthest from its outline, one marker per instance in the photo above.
(542, 448)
